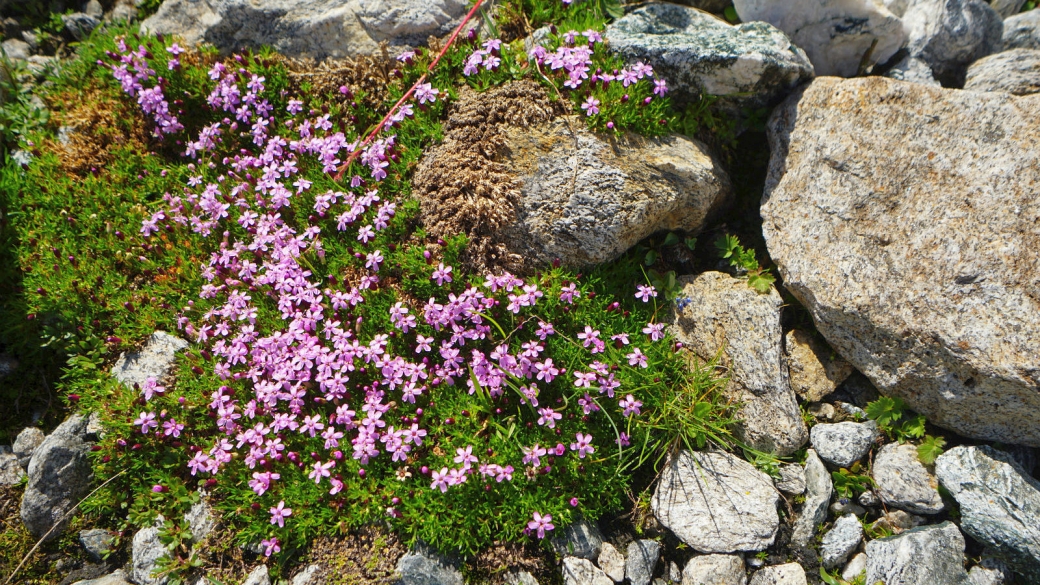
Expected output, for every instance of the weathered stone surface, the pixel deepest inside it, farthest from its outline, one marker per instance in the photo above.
(520, 578)
(752, 64)
(154, 360)
(96, 542)
(578, 571)
(923, 556)
(903, 481)
(897, 521)
(11, 471)
(16, 49)
(856, 567)
(320, 29)
(717, 503)
(1006, 8)
(59, 476)
(586, 201)
(612, 562)
(999, 504)
(815, 370)
(201, 520)
(789, 574)
(836, 34)
(792, 479)
(641, 561)
(726, 315)
(913, 70)
(310, 576)
(25, 444)
(424, 566)
(949, 35)
(79, 25)
(959, 345)
(983, 576)
(258, 576)
(580, 539)
(842, 444)
(713, 6)
(819, 487)
(1022, 31)
(840, 541)
(117, 578)
(146, 550)
(714, 570)
(1016, 71)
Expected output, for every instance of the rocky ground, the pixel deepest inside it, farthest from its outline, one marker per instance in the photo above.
(899, 207)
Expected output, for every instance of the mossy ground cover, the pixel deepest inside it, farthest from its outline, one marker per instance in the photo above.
(83, 284)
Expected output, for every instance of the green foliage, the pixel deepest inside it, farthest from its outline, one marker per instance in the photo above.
(930, 449)
(847, 482)
(745, 263)
(19, 116)
(889, 414)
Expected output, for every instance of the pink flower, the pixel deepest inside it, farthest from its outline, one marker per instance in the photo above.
(546, 371)
(637, 358)
(591, 106)
(660, 87)
(644, 293)
(582, 445)
(465, 456)
(172, 428)
(279, 513)
(654, 330)
(442, 274)
(629, 405)
(440, 480)
(540, 524)
(270, 546)
(548, 416)
(533, 455)
(146, 420)
(150, 388)
(425, 92)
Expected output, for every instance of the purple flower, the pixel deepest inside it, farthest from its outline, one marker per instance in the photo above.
(660, 87)
(629, 405)
(591, 106)
(279, 513)
(146, 420)
(541, 524)
(440, 480)
(270, 546)
(654, 330)
(644, 293)
(425, 92)
(583, 445)
(637, 358)
(442, 274)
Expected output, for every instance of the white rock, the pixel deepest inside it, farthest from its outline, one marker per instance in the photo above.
(714, 570)
(309, 576)
(789, 574)
(612, 562)
(425, 566)
(16, 49)
(840, 541)
(520, 578)
(59, 477)
(580, 538)
(1016, 71)
(856, 567)
(154, 360)
(146, 550)
(717, 503)
(842, 444)
(1006, 8)
(117, 578)
(819, 486)
(1022, 31)
(200, 520)
(641, 561)
(913, 70)
(258, 576)
(836, 34)
(792, 479)
(903, 481)
(578, 571)
(928, 555)
(949, 35)
(11, 471)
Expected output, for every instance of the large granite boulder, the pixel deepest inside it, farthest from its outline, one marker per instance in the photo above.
(752, 64)
(838, 35)
(999, 503)
(918, 256)
(725, 316)
(949, 35)
(928, 555)
(1015, 71)
(59, 477)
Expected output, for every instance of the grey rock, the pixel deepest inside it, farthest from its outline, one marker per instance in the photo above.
(155, 360)
(715, 323)
(1016, 71)
(823, 411)
(16, 49)
(117, 578)
(674, 572)
(309, 576)
(841, 508)
(26, 443)
(923, 556)
(836, 34)
(146, 550)
(59, 477)
(95, 430)
(999, 503)
(856, 567)
(94, 9)
(717, 503)
(815, 370)
(949, 35)
(913, 70)
(123, 11)
(641, 561)
(1006, 8)
(713, 6)
(520, 578)
(792, 479)
(819, 486)
(612, 562)
(960, 349)
(22, 157)
(580, 539)
(749, 65)
(1025, 457)
(983, 576)
(903, 481)
(840, 541)
(856, 390)
(578, 571)
(1022, 31)
(96, 542)
(868, 499)
(788, 574)
(842, 444)
(79, 25)
(30, 38)
(851, 411)
(714, 570)
(323, 29)
(258, 576)
(897, 521)
(424, 566)
(200, 520)
(11, 471)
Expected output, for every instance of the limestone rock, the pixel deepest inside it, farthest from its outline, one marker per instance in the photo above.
(155, 360)
(641, 561)
(612, 562)
(819, 486)
(96, 542)
(923, 556)
(25, 444)
(1016, 71)
(913, 70)
(726, 315)
(146, 550)
(580, 539)
(749, 65)
(836, 34)
(582, 572)
(840, 541)
(903, 481)
(520, 578)
(842, 444)
(999, 503)
(1022, 31)
(714, 570)
(1006, 8)
(949, 35)
(10, 470)
(792, 479)
(814, 369)
(789, 574)
(897, 521)
(59, 477)
(960, 344)
(310, 576)
(717, 503)
(258, 576)
(856, 567)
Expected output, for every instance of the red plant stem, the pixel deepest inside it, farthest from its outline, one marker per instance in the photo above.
(382, 123)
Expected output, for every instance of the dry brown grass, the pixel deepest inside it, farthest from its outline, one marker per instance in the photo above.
(366, 557)
(94, 119)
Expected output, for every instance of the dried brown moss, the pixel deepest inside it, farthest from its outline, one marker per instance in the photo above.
(97, 126)
(366, 557)
(463, 189)
(367, 76)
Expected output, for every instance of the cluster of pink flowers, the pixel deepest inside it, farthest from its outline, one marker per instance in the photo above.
(133, 72)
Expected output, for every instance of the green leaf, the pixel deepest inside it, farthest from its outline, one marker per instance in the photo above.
(691, 243)
(651, 257)
(727, 245)
(824, 576)
(612, 8)
(731, 15)
(671, 239)
(761, 281)
(930, 449)
(702, 409)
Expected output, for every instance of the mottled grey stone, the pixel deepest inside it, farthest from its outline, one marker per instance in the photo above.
(715, 324)
(819, 487)
(714, 570)
(842, 444)
(258, 576)
(913, 70)
(612, 562)
(1016, 71)
(59, 477)
(999, 504)
(96, 542)
(840, 541)
(580, 539)
(424, 566)
(949, 35)
(25, 444)
(11, 471)
(788, 574)
(16, 49)
(903, 481)
(792, 479)
(960, 348)
(578, 571)
(310, 576)
(520, 578)
(1022, 31)
(1006, 8)
(155, 360)
(928, 555)
(749, 65)
(856, 567)
(717, 503)
(146, 550)
(641, 561)
(201, 520)
(868, 499)
(840, 508)
(117, 578)
(79, 25)
(897, 521)
(815, 370)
